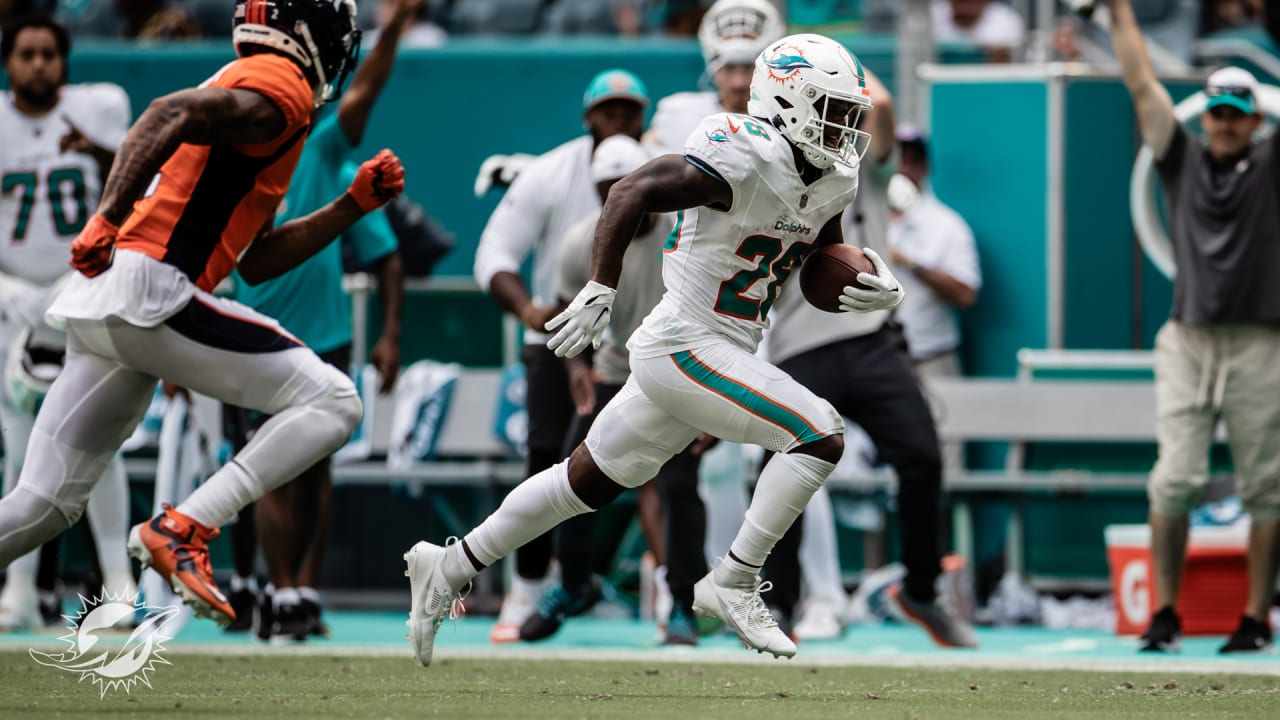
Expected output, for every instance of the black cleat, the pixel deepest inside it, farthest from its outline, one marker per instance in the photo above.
(315, 623)
(1250, 636)
(243, 601)
(289, 624)
(555, 606)
(1164, 634)
(266, 616)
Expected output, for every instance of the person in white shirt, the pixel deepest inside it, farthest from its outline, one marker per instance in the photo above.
(693, 365)
(994, 26)
(935, 245)
(58, 141)
(732, 33)
(857, 362)
(551, 194)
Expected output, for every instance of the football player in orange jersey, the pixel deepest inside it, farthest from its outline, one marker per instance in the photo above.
(191, 195)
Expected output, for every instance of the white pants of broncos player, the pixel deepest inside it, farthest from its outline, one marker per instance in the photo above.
(142, 320)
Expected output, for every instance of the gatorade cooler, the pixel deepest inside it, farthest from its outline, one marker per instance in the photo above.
(1215, 582)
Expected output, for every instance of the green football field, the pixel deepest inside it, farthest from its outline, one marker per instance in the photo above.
(314, 686)
(603, 668)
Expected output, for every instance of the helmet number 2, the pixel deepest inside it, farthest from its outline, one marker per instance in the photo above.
(754, 128)
(767, 253)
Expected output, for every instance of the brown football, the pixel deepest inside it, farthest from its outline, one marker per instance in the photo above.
(828, 270)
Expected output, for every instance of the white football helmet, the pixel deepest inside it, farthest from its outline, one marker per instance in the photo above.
(735, 31)
(814, 91)
(29, 371)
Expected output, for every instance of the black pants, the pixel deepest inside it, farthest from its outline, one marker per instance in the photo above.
(869, 379)
(684, 518)
(550, 410)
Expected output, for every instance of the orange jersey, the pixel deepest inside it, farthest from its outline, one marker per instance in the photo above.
(208, 202)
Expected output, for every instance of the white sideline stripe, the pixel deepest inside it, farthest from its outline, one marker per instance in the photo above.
(958, 659)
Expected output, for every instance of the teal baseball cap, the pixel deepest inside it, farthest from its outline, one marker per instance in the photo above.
(616, 84)
(1234, 87)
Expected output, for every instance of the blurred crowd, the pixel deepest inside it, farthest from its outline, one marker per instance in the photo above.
(996, 25)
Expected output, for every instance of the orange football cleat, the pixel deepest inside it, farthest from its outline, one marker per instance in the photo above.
(176, 546)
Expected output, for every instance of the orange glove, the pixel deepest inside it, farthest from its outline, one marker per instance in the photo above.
(378, 181)
(95, 247)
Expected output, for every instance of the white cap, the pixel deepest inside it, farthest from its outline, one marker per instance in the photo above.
(615, 157)
(1232, 86)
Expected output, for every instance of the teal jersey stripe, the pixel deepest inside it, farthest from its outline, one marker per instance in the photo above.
(673, 240)
(746, 398)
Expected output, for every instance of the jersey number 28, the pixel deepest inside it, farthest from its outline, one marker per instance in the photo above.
(766, 252)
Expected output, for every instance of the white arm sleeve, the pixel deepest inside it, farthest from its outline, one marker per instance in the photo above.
(513, 228)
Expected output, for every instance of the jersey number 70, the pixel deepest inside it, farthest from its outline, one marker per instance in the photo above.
(27, 183)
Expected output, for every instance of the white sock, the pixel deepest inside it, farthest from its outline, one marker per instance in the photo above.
(733, 573)
(219, 498)
(819, 552)
(244, 583)
(784, 488)
(532, 508)
(285, 596)
(108, 510)
(310, 595)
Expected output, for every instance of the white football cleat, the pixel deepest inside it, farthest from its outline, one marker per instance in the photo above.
(821, 621)
(742, 609)
(433, 599)
(19, 610)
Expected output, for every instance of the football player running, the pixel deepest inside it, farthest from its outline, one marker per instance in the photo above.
(58, 142)
(731, 35)
(795, 157)
(191, 195)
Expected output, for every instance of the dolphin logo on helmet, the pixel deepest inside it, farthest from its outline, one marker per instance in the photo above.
(813, 90)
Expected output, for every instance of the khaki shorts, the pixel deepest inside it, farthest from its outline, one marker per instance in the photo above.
(1207, 373)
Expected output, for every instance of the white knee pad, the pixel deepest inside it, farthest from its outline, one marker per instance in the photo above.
(61, 474)
(346, 408)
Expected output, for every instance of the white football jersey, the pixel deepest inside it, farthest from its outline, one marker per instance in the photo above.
(678, 115)
(723, 270)
(47, 194)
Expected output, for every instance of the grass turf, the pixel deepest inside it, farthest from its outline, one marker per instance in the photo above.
(306, 687)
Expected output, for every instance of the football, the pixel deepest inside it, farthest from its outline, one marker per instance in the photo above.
(828, 270)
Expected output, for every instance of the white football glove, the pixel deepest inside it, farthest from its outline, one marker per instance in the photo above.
(902, 193)
(501, 170)
(584, 321)
(885, 292)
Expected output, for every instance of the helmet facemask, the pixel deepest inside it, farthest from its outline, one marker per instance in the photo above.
(830, 135)
(735, 31)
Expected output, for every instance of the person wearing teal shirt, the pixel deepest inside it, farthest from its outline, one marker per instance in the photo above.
(309, 301)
